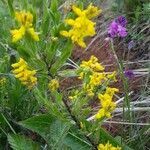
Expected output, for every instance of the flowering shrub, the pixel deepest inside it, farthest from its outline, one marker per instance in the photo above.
(36, 112)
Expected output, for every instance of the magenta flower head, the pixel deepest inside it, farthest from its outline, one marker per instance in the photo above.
(122, 31)
(113, 29)
(117, 28)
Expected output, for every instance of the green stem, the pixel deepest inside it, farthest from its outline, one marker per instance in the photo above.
(124, 80)
(126, 102)
(9, 124)
(77, 122)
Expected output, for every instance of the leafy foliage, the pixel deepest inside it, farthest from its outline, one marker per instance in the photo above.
(19, 142)
(55, 132)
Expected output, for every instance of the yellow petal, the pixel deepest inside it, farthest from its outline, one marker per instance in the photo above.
(81, 43)
(92, 11)
(19, 75)
(20, 69)
(70, 22)
(17, 34)
(77, 11)
(33, 34)
(24, 18)
(65, 33)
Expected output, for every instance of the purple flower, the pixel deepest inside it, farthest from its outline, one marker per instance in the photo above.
(122, 21)
(122, 31)
(113, 29)
(129, 74)
(131, 44)
(117, 28)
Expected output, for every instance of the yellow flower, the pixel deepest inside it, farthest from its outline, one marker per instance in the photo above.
(26, 76)
(82, 26)
(92, 11)
(25, 19)
(111, 91)
(96, 78)
(112, 76)
(53, 85)
(107, 105)
(94, 70)
(89, 90)
(92, 64)
(108, 147)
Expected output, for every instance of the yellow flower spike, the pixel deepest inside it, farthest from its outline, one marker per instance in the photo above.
(26, 26)
(82, 26)
(24, 18)
(26, 76)
(108, 146)
(53, 85)
(107, 105)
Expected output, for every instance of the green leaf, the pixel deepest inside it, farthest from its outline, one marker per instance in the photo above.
(18, 142)
(10, 5)
(105, 137)
(118, 138)
(48, 127)
(46, 19)
(54, 5)
(55, 132)
(65, 54)
(68, 73)
(76, 143)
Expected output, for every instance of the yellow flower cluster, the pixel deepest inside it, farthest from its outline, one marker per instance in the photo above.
(82, 26)
(92, 65)
(96, 74)
(26, 76)
(93, 75)
(108, 147)
(107, 105)
(25, 19)
(53, 85)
